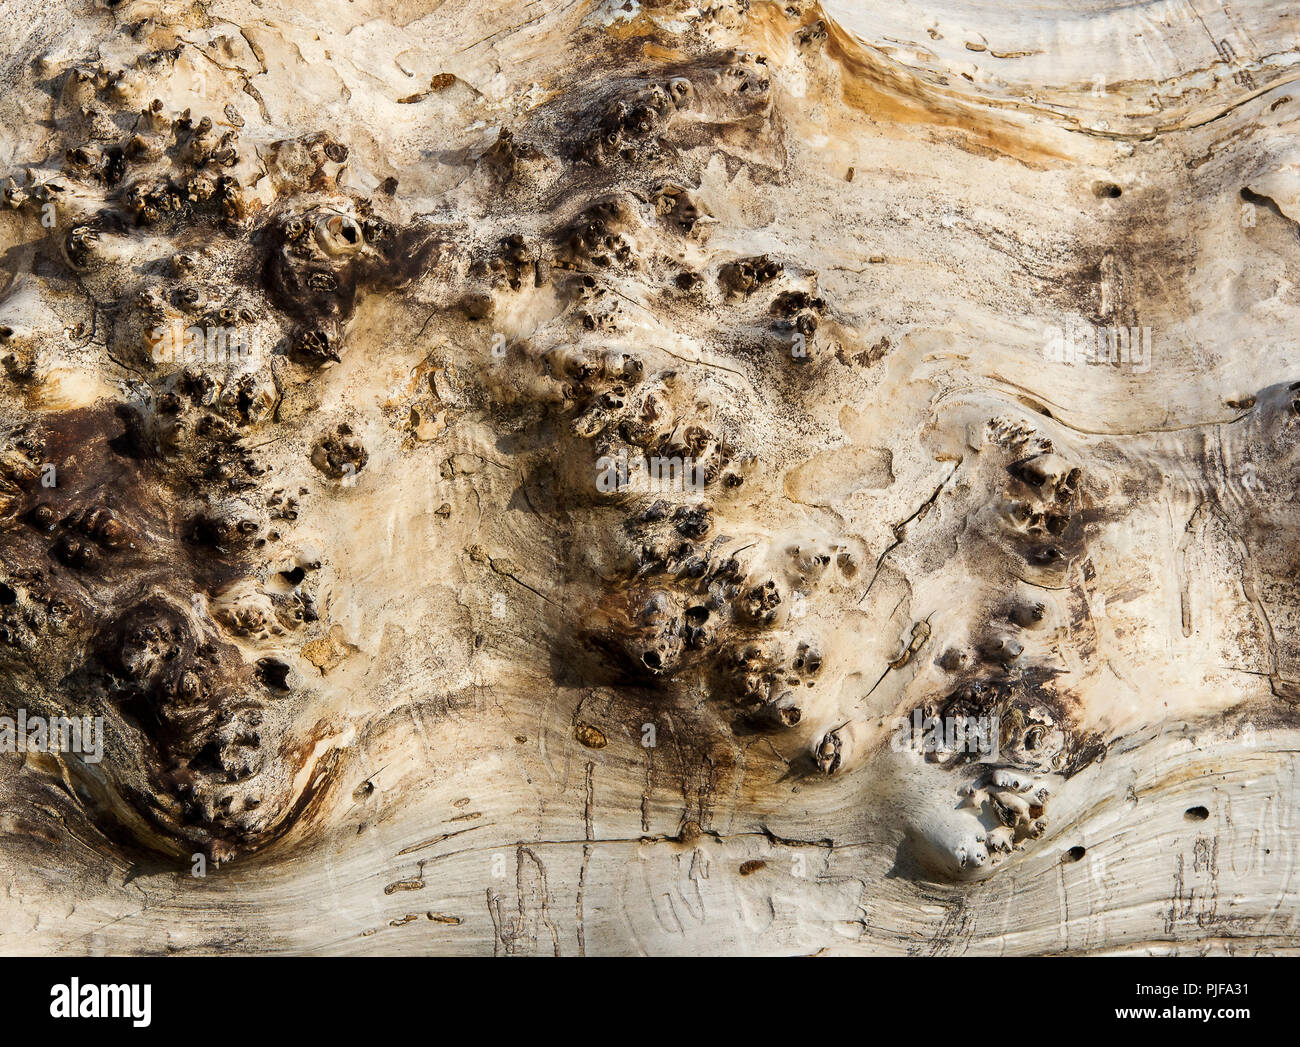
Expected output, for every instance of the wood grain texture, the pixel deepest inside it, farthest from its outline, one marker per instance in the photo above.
(978, 322)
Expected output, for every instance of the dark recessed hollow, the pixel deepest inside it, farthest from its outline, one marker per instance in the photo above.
(1196, 814)
(274, 673)
(1075, 853)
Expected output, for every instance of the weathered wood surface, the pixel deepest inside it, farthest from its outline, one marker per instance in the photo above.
(368, 636)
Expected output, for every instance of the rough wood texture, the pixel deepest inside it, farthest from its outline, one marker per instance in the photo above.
(977, 319)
